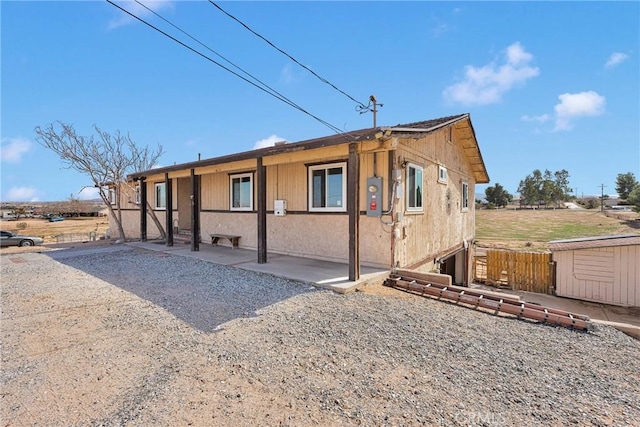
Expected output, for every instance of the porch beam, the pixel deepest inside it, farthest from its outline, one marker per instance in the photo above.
(353, 210)
(262, 211)
(168, 209)
(143, 209)
(195, 211)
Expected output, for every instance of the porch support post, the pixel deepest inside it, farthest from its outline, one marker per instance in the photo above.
(195, 211)
(143, 209)
(262, 212)
(353, 209)
(169, 209)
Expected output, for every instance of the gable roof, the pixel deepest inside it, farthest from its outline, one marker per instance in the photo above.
(461, 122)
(594, 242)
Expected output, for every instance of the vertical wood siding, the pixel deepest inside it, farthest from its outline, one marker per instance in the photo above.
(523, 271)
(443, 224)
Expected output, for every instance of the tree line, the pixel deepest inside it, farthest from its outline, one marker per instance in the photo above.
(551, 189)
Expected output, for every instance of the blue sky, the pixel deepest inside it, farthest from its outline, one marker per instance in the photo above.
(549, 85)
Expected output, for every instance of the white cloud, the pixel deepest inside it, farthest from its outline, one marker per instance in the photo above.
(486, 84)
(88, 193)
(574, 105)
(538, 119)
(616, 58)
(138, 10)
(22, 194)
(267, 142)
(12, 149)
(287, 74)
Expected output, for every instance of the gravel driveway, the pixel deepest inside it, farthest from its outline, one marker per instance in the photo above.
(124, 336)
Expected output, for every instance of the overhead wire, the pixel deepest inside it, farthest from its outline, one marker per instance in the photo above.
(267, 89)
(361, 106)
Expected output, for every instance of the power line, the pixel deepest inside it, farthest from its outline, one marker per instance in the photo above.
(360, 105)
(270, 91)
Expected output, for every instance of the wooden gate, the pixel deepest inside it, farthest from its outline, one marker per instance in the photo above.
(521, 271)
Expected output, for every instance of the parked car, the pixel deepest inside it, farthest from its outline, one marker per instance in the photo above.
(55, 218)
(7, 238)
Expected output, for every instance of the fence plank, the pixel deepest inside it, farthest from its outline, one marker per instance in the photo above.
(516, 270)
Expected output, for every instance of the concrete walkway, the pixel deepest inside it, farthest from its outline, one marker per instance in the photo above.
(325, 274)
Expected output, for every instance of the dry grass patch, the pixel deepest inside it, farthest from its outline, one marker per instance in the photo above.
(49, 230)
(533, 229)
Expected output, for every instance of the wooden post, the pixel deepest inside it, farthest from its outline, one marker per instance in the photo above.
(143, 209)
(262, 212)
(353, 209)
(195, 211)
(169, 209)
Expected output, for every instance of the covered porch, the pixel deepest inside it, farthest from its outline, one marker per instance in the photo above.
(325, 274)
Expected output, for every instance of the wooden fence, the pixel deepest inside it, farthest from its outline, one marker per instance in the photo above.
(522, 271)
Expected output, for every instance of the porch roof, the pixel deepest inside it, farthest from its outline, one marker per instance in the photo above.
(461, 124)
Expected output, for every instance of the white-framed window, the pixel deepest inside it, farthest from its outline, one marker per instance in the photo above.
(328, 188)
(465, 196)
(136, 194)
(161, 195)
(415, 188)
(112, 195)
(241, 192)
(442, 174)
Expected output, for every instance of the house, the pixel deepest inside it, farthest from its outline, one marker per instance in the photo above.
(391, 197)
(599, 269)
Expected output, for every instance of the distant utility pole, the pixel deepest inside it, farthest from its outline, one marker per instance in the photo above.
(602, 186)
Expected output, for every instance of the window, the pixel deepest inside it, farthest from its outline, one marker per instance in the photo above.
(414, 188)
(161, 196)
(241, 192)
(465, 196)
(136, 195)
(112, 195)
(328, 188)
(442, 174)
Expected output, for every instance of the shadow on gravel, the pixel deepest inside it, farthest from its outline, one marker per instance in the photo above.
(202, 294)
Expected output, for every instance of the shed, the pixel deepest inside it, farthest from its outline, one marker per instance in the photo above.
(599, 269)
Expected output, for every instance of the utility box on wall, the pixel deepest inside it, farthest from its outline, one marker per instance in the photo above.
(374, 196)
(280, 207)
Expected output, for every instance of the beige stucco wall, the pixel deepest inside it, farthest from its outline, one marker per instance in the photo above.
(442, 226)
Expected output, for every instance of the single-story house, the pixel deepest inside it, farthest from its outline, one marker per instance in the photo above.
(393, 197)
(599, 269)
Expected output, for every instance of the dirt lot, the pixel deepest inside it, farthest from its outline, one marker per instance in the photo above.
(49, 230)
(112, 336)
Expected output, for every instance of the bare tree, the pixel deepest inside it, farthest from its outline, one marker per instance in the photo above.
(107, 159)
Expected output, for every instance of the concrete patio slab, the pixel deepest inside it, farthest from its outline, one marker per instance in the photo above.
(324, 274)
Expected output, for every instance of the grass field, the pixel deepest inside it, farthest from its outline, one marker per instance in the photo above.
(49, 230)
(532, 229)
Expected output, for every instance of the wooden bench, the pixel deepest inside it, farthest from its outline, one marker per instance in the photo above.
(231, 238)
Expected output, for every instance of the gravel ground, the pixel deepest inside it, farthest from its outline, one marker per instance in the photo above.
(121, 336)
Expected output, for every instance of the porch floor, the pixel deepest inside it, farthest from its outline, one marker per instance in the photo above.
(325, 274)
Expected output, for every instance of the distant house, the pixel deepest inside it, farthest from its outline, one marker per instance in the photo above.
(393, 197)
(599, 269)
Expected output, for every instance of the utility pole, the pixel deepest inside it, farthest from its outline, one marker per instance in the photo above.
(602, 186)
(373, 107)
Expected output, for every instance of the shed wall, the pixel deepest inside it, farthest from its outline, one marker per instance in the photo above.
(609, 275)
